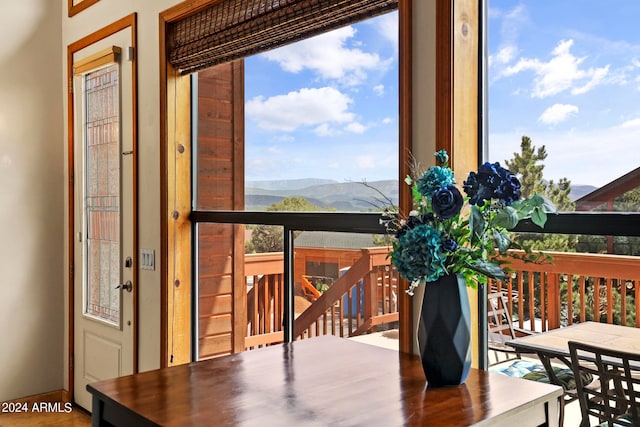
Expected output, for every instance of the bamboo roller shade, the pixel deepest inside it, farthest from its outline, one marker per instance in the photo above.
(233, 29)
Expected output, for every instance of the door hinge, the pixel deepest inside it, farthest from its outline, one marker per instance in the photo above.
(71, 85)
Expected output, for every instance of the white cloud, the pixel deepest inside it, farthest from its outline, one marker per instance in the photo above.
(557, 113)
(325, 130)
(356, 127)
(504, 56)
(387, 26)
(596, 78)
(634, 123)
(329, 57)
(562, 72)
(306, 107)
(513, 22)
(378, 89)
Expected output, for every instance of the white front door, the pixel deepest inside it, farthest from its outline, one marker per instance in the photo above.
(103, 215)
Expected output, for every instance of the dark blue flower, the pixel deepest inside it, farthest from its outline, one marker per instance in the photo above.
(492, 181)
(449, 245)
(434, 178)
(447, 201)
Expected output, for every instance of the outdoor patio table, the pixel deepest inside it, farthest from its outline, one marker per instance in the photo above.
(554, 343)
(318, 382)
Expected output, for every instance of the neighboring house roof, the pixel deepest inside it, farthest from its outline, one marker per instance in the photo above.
(609, 191)
(327, 239)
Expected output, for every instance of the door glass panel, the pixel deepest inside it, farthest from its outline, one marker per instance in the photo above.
(102, 195)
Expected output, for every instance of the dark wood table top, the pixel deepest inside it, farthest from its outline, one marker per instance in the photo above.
(554, 343)
(318, 382)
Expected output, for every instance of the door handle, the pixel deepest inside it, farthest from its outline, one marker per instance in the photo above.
(127, 286)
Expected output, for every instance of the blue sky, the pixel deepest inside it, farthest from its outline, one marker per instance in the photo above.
(325, 107)
(566, 73)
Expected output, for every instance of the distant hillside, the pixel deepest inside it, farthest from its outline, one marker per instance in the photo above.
(578, 191)
(342, 196)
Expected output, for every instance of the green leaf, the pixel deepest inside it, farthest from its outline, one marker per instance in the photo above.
(502, 241)
(506, 218)
(477, 224)
(417, 197)
(487, 268)
(539, 217)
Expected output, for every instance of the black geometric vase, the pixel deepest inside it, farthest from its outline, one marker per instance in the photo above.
(444, 332)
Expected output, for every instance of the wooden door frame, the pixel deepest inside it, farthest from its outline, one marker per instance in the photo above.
(128, 22)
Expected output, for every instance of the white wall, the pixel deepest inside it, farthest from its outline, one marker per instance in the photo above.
(31, 198)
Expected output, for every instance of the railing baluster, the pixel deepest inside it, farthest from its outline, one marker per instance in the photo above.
(609, 300)
(636, 296)
(569, 299)
(583, 305)
(596, 299)
(623, 301)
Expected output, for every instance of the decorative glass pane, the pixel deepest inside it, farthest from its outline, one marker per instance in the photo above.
(102, 194)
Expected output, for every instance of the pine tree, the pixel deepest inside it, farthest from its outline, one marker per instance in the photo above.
(525, 165)
(529, 167)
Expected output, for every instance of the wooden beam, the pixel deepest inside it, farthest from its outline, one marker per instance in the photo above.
(178, 291)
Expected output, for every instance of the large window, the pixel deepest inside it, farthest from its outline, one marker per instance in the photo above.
(310, 126)
(562, 104)
(563, 94)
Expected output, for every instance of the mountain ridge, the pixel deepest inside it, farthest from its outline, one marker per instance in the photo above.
(343, 196)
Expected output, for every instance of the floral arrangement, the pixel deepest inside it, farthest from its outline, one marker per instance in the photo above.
(448, 233)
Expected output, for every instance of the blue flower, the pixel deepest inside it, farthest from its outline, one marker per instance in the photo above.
(436, 238)
(418, 254)
(434, 178)
(447, 201)
(449, 245)
(442, 157)
(492, 181)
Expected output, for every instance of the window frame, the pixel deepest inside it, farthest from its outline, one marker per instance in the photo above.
(173, 98)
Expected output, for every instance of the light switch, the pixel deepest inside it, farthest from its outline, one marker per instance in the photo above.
(147, 259)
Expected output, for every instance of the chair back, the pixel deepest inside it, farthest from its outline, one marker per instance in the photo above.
(617, 400)
(500, 328)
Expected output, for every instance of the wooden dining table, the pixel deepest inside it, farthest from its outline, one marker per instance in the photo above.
(553, 344)
(323, 381)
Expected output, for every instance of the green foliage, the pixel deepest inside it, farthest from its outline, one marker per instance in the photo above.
(269, 238)
(525, 165)
(529, 167)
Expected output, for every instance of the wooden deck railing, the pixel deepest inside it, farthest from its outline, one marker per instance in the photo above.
(364, 297)
(575, 287)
